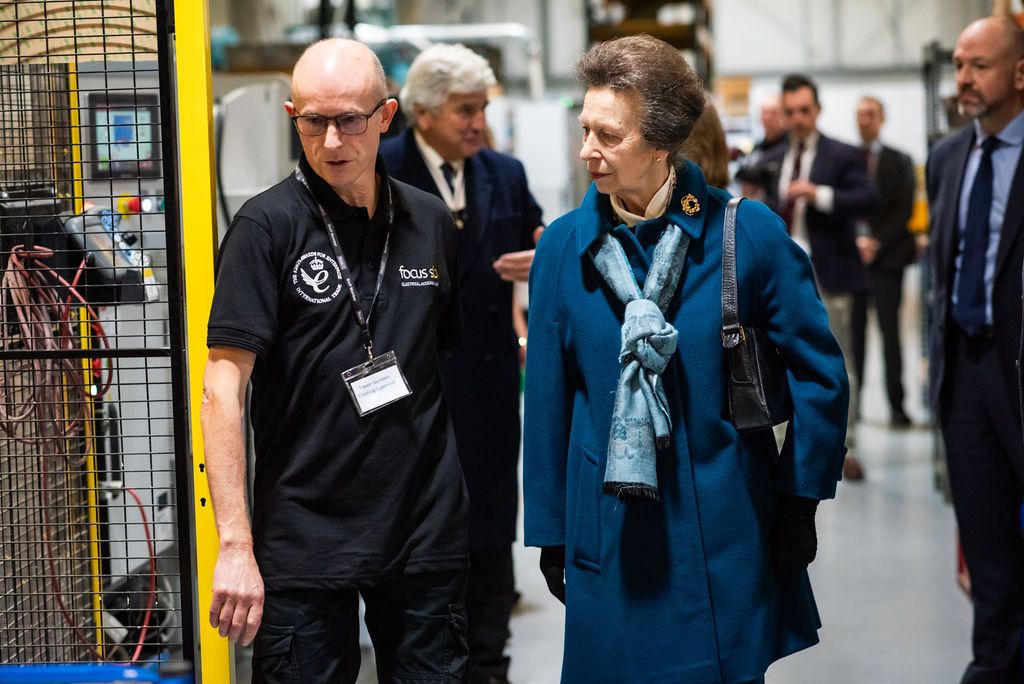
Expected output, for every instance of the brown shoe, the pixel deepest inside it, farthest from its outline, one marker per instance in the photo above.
(852, 469)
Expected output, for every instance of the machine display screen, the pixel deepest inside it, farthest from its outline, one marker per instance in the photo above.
(124, 141)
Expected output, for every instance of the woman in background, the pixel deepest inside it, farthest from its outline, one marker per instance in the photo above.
(706, 147)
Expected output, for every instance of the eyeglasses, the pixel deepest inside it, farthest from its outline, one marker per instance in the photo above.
(346, 124)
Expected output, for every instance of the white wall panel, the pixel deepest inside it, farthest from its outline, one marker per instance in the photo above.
(759, 36)
(567, 31)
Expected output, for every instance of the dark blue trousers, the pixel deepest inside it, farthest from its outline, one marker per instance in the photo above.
(986, 471)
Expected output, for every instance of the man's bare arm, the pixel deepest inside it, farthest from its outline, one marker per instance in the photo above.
(237, 605)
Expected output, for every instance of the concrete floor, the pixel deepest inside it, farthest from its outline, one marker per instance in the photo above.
(884, 575)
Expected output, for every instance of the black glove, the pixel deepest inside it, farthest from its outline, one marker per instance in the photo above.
(794, 540)
(552, 566)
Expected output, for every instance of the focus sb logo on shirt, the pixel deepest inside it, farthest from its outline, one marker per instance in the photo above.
(419, 277)
(316, 277)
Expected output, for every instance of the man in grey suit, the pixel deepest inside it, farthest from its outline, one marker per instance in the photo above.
(887, 248)
(975, 181)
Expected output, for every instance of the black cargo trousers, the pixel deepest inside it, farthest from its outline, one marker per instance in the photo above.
(417, 624)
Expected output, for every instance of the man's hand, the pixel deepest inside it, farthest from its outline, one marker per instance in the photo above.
(802, 189)
(514, 266)
(868, 248)
(237, 607)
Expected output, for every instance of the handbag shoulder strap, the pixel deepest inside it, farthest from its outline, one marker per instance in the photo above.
(731, 328)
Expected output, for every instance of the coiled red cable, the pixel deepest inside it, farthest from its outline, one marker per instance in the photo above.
(57, 395)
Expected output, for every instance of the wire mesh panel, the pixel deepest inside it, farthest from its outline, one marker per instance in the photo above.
(44, 516)
(90, 445)
(34, 130)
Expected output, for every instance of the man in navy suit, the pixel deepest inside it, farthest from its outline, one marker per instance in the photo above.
(975, 181)
(445, 154)
(823, 188)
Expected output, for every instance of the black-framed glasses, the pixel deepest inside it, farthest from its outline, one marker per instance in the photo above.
(347, 124)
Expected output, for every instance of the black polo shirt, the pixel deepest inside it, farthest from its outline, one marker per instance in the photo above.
(339, 500)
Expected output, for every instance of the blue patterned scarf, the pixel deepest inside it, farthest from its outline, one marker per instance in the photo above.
(640, 419)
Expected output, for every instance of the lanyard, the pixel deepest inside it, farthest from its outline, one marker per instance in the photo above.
(456, 202)
(362, 318)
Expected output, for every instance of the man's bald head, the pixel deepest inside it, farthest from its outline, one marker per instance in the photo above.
(1016, 32)
(771, 118)
(1002, 30)
(338, 60)
(340, 106)
(989, 63)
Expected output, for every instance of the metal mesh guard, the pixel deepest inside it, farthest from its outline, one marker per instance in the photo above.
(89, 560)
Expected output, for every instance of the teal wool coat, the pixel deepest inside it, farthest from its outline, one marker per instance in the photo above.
(680, 590)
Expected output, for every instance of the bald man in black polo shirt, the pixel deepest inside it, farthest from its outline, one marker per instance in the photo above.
(335, 290)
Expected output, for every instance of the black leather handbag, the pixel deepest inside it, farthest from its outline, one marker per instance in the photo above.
(759, 395)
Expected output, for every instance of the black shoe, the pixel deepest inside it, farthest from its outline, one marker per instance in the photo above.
(900, 419)
(488, 679)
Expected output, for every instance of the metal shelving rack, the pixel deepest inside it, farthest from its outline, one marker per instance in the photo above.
(693, 37)
(937, 66)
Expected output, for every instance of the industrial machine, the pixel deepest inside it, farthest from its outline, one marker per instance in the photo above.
(91, 568)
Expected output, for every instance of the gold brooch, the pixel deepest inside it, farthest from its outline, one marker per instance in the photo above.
(690, 205)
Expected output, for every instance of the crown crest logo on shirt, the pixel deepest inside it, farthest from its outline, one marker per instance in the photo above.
(316, 263)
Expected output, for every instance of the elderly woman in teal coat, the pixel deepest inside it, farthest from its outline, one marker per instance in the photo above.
(682, 544)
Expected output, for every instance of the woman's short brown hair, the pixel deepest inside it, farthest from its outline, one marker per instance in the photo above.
(670, 91)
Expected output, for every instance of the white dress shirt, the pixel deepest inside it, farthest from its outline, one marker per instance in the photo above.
(454, 197)
(824, 194)
(1004, 165)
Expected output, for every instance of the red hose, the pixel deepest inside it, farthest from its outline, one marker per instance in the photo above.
(46, 324)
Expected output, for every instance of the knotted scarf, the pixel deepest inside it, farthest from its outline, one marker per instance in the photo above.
(640, 419)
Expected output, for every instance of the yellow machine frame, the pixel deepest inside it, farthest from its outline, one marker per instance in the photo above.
(199, 243)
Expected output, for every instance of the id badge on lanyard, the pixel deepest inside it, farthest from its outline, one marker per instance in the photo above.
(376, 383)
(379, 381)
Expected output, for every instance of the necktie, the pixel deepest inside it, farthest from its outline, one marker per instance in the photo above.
(797, 161)
(969, 311)
(872, 161)
(449, 175)
(787, 210)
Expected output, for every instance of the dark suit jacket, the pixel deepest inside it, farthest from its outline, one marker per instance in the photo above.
(1020, 358)
(833, 238)
(894, 176)
(481, 378)
(944, 176)
(763, 162)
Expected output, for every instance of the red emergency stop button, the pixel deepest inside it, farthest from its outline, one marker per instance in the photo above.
(129, 204)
